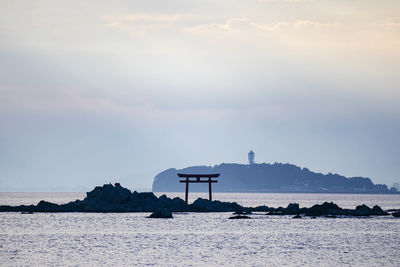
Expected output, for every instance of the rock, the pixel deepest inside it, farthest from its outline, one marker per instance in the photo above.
(396, 214)
(240, 217)
(376, 210)
(275, 213)
(241, 212)
(324, 209)
(161, 213)
(205, 205)
(330, 216)
(44, 206)
(108, 198)
(292, 208)
(392, 210)
(297, 216)
(175, 205)
(261, 208)
(115, 198)
(362, 210)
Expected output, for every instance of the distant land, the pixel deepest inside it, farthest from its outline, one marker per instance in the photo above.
(266, 177)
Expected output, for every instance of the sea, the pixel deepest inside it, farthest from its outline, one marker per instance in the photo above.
(200, 239)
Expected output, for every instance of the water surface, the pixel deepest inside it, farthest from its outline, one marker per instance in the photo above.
(201, 239)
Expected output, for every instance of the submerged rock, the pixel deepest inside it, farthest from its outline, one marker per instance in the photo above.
(276, 213)
(161, 213)
(240, 217)
(330, 216)
(396, 214)
(297, 216)
(261, 208)
(242, 212)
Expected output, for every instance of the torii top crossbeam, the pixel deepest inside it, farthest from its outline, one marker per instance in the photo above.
(198, 180)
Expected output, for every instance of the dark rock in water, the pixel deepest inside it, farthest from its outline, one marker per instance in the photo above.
(392, 210)
(107, 198)
(396, 214)
(240, 217)
(362, 210)
(205, 205)
(47, 206)
(292, 208)
(174, 205)
(261, 208)
(241, 212)
(297, 216)
(161, 213)
(275, 213)
(110, 194)
(330, 216)
(376, 210)
(324, 209)
(110, 198)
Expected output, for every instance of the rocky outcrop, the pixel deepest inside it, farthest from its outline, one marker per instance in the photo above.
(115, 198)
(324, 209)
(376, 210)
(161, 213)
(396, 214)
(204, 205)
(239, 217)
(110, 198)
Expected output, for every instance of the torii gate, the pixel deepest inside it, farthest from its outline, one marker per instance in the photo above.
(198, 180)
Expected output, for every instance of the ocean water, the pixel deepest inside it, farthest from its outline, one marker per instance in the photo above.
(201, 239)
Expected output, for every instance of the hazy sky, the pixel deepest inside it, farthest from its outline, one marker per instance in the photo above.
(93, 92)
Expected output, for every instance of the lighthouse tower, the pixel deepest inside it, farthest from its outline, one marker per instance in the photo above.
(251, 156)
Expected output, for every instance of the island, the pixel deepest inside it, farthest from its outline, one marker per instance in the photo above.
(265, 177)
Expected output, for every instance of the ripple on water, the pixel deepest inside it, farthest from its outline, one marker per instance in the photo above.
(196, 239)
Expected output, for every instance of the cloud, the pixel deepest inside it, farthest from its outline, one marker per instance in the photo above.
(238, 24)
(146, 18)
(316, 25)
(390, 24)
(245, 24)
(144, 22)
(290, 1)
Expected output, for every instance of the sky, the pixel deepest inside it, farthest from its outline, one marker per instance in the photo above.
(93, 92)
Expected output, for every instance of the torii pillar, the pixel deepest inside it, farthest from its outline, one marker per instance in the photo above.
(198, 179)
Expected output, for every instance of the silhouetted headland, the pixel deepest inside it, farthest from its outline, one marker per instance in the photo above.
(265, 177)
(115, 198)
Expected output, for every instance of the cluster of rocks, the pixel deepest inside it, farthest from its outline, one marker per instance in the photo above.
(328, 208)
(115, 198)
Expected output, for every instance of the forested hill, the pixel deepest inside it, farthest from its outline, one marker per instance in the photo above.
(265, 177)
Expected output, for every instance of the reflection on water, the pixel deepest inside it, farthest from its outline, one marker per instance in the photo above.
(192, 239)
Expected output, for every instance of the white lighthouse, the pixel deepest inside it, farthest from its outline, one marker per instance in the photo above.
(251, 157)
